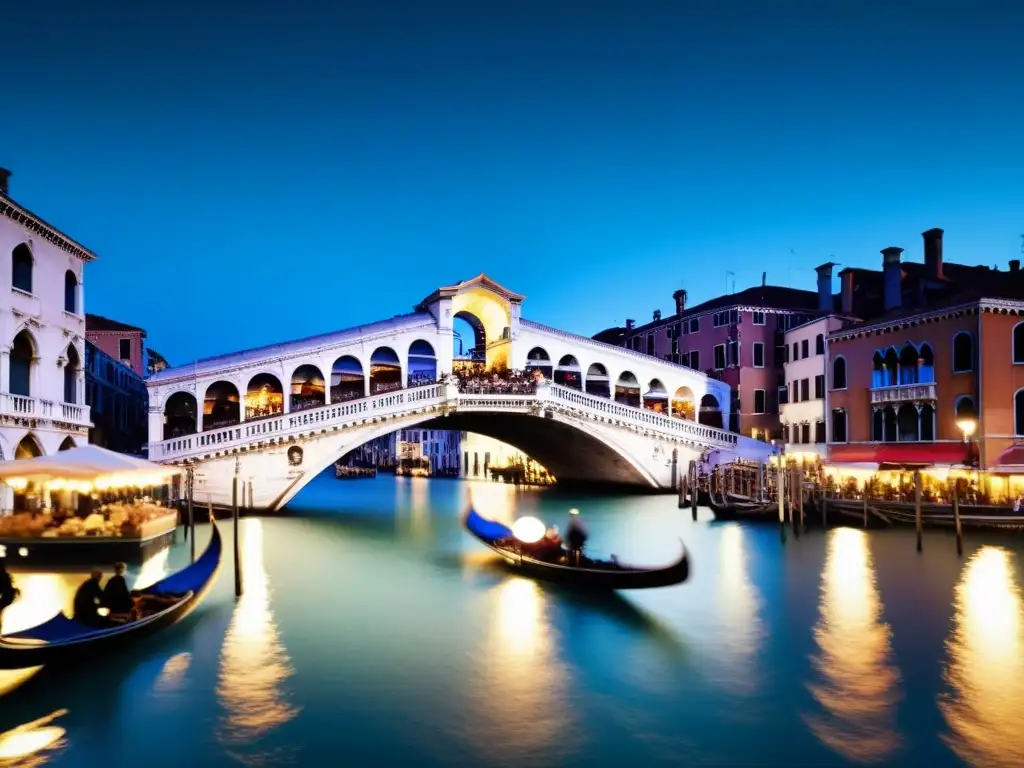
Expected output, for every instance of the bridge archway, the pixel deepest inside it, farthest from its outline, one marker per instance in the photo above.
(538, 359)
(347, 379)
(307, 388)
(656, 397)
(597, 381)
(385, 371)
(572, 452)
(627, 389)
(568, 372)
(684, 405)
(220, 405)
(490, 316)
(710, 411)
(264, 396)
(180, 415)
(471, 350)
(422, 363)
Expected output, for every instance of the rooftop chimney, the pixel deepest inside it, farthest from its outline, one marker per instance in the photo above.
(825, 287)
(933, 253)
(657, 315)
(1014, 265)
(5, 182)
(846, 284)
(630, 324)
(680, 297)
(764, 279)
(892, 274)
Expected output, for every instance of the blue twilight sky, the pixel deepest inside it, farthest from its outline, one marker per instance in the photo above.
(251, 172)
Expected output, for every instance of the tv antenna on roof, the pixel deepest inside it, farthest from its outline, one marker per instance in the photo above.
(729, 273)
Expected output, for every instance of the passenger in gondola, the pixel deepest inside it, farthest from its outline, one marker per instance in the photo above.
(116, 596)
(576, 536)
(8, 592)
(89, 600)
(550, 547)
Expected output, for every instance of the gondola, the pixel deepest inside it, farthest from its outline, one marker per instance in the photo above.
(742, 508)
(65, 641)
(590, 574)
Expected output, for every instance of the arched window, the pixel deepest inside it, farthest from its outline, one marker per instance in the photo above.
(819, 344)
(70, 292)
(908, 364)
(23, 355)
(926, 365)
(965, 408)
(1018, 413)
(71, 371)
(927, 420)
(878, 372)
(221, 405)
(21, 268)
(839, 373)
(597, 381)
(347, 380)
(963, 352)
(877, 426)
(1018, 342)
(67, 444)
(28, 448)
(308, 389)
(838, 425)
(179, 415)
(264, 396)
(568, 372)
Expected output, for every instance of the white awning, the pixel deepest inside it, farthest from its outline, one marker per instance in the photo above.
(88, 462)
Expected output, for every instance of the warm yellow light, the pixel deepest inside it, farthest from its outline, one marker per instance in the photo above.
(23, 551)
(528, 530)
(102, 611)
(967, 426)
(17, 483)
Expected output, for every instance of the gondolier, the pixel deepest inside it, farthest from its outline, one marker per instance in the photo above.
(575, 535)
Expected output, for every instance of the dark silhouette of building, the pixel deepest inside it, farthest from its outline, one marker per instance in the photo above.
(118, 400)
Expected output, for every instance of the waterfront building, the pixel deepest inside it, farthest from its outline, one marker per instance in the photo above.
(439, 446)
(737, 338)
(42, 334)
(935, 373)
(119, 402)
(481, 454)
(125, 343)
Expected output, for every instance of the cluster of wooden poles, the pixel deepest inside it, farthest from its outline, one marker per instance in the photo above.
(753, 482)
(190, 523)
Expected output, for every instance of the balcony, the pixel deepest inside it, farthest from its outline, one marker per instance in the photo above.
(24, 407)
(903, 393)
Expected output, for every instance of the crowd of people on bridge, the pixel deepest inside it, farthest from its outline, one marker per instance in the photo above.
(498, 381)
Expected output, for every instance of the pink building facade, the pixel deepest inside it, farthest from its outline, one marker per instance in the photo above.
(121, 341)
(738, 339)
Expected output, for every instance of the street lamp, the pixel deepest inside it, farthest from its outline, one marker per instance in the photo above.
(967, 426)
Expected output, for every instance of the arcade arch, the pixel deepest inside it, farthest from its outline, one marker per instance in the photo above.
(347, 379)
(568, 372)
(179, 415)
(627, 389)
(684, 405)
(710, 411)
(597, 381)
(422, 364)
(28, 448)
(537, 359)
(67, 444)
(307, 388)
(264, 396)
(656, 397)
(220, 405)
(385, 371)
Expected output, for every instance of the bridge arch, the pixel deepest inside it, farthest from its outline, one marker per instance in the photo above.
(627, 389)
(538, 359)
(264, 396)
(710, 411)
(308, 389)
(385, 371)
(180, 415)
(568, 372)
(684, 405)
(656, 397)
(422, 365)
(562, 446)
(348, 382)
(220, 405)
(597, 381)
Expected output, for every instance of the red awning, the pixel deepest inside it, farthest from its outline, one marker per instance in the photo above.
(1012, 459)
(901, 454)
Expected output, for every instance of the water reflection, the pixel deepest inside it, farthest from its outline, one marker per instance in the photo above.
(859, 686)
(254, 663)
(172, 676)
(524, 688)
(32, 744)
(985, 667)
(153, 569)
(743, 631)
(412, 497)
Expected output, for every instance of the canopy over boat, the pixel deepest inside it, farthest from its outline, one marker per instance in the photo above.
(62, 638)
(89, 462)
(593, 574)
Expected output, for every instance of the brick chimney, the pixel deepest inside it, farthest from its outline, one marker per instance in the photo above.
(933, 253)
(630, 324)
(1014, 266)
(5, 182)
(680, 297)
(892, 274)
(657, 315)
(825, 287)
(846, 285)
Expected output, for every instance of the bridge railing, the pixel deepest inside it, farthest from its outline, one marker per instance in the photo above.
(643, 417)
(298, 422)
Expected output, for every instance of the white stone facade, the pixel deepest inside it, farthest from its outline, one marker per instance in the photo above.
(804, 415)
(358, 358)
(42, 336)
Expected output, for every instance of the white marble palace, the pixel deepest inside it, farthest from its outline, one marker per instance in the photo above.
(276, 416)
(42, 335)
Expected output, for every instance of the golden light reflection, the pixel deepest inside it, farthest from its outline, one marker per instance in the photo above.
(43, 596)
(254, 663)
(497, 501)
(153, 569)
(985, 666)
(32, 744)
(172, 676)
(743, 631)
(523, 693)
(859, 686)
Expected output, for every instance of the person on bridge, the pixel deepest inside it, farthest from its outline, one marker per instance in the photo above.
(575, 536)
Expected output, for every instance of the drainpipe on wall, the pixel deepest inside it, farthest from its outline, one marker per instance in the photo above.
(828, 387)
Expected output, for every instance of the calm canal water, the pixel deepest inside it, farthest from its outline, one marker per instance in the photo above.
(373, 631)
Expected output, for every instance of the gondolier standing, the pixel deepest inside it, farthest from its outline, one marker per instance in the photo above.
(575, 536)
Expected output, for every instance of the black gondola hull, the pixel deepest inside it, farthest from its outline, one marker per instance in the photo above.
(606, 578)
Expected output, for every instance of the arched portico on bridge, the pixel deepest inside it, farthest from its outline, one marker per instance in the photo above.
(308, 389)
(347, 379)
(221, 405)
(264, 396)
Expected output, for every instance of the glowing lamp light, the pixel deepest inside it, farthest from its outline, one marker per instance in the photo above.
(967, 426)
(102, 611)
(574, 511)
(528, 530)
(23, 551)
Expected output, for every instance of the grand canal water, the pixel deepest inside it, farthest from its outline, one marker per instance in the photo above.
(373, 631)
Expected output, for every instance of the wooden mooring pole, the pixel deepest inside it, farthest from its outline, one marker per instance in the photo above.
(234, 516)
(867, 493)
(956, 519)
(780, 493)
(800, 490)
(682, 491)
(190, 523)
(917, 509)
(694, 488)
